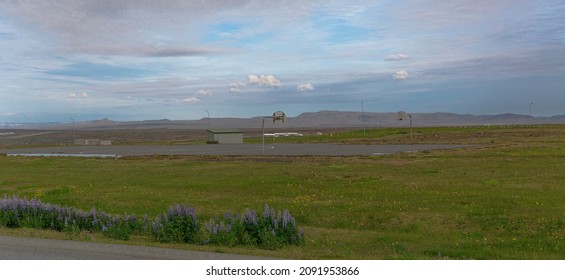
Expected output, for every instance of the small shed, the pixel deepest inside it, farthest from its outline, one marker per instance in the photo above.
(225, 136)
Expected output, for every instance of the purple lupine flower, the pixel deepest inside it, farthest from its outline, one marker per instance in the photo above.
(266, 211)
(178, 210)
(155, 227)
(211, 224)
(232, 220)
(14, 203)
(34, 205)
(285, 219)
(279, 217)
(145, 222)
(273, 217)
(189, 212)
(251, 217)
(171, 212)
(183, 210)
(94, 218)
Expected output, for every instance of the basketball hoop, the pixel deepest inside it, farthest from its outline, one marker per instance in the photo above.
(279, 116)
(401, 115)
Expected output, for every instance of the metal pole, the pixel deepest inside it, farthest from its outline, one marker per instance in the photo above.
(363, 117)
(263, 133)
(530, 109)
(410, 117)
(74, 131)
(208, 118)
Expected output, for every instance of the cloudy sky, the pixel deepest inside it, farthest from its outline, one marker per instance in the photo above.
(155, 59)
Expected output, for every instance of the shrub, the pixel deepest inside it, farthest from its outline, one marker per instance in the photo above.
(178, 225)
(270, 231)
(17, 212)
(228, 231)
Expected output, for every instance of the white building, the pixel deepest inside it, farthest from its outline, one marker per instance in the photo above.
(225, 136)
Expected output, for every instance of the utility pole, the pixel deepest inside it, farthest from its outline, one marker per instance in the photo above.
(277, 116)
(410, 117)
(363, 117)
(74, 131)
(208, 118)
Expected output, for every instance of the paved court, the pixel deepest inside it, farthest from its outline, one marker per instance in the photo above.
(228, 149)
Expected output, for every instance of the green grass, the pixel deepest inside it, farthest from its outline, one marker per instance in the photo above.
(429, 135)
(503, 199)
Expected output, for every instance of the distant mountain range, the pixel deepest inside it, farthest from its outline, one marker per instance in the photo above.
(322, 119)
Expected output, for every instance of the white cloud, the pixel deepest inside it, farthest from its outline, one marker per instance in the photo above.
(191, 100)
(400, 75)
(256, 80)
(204, 92)
(237, 87)
(264, 80)
(305, 87)
(77, 95)
(396, 57)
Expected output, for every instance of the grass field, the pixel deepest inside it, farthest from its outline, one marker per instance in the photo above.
(502, 199)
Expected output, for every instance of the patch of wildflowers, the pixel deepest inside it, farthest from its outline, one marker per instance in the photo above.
(178, 224)
(272, 230)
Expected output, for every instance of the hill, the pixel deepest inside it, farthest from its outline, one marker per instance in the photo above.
(322, 119)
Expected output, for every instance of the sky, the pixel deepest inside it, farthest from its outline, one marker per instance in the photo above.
(180, 60)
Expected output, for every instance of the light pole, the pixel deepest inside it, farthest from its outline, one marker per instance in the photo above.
(363, 117)
(74, 131)
(530, 109)
(410, 117)
(208, 118)
(277, 116)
